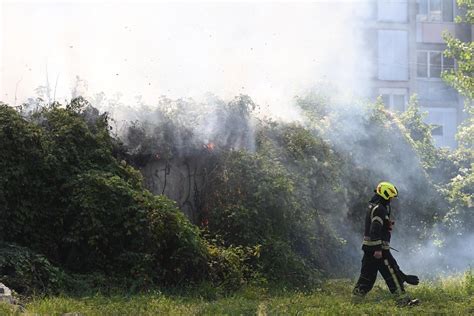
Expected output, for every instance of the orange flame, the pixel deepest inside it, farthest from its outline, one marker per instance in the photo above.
(210, 146)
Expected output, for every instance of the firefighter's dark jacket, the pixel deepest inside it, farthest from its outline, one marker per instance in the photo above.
(377, 225)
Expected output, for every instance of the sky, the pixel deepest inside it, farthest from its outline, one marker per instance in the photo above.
(270, 51)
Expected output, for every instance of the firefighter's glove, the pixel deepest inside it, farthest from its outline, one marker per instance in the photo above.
(390, 225)
(412, 279)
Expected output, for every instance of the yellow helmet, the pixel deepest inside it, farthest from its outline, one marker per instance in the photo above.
(386, 190)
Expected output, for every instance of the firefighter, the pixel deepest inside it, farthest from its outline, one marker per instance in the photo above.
(376, 246)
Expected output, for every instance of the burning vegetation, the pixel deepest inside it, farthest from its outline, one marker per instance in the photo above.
(263, 199)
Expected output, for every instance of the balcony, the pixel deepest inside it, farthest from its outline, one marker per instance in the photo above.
(431, 32)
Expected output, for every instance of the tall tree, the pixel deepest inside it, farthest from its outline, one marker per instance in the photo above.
(461, 78)
(461, 187)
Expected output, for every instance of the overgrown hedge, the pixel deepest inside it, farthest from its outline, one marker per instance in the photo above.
(281, 202)
(299, 191)
(65, 196)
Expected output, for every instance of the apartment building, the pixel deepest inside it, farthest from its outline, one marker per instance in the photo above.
(408, 59)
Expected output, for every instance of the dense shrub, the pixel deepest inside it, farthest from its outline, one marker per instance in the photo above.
(26, 272)
(230, 266)
(64, 194)
(253, 203)
(299, 190)
(279, 202)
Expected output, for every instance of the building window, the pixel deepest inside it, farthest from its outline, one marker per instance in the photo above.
(437, 130)
(392, 10)
(435, 10)
(392, 55)
(443, 121)
(430, 64)
(394, 99)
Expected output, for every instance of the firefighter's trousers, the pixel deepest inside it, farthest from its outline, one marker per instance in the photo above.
(388, 268)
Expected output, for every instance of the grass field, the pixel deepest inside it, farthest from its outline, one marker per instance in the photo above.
(448, 296)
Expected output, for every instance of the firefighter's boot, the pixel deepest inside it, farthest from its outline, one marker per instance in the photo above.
(407, 301)
(357, 296)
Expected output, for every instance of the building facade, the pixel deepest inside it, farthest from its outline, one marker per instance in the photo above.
(408, 59)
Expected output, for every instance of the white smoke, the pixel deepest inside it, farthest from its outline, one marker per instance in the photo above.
(445, 255)
(270, 51)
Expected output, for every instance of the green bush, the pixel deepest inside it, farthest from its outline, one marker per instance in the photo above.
(27, 272)
(63, 194)
(178, 247)
(252, 203)
(229, 266)
(22, 182)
